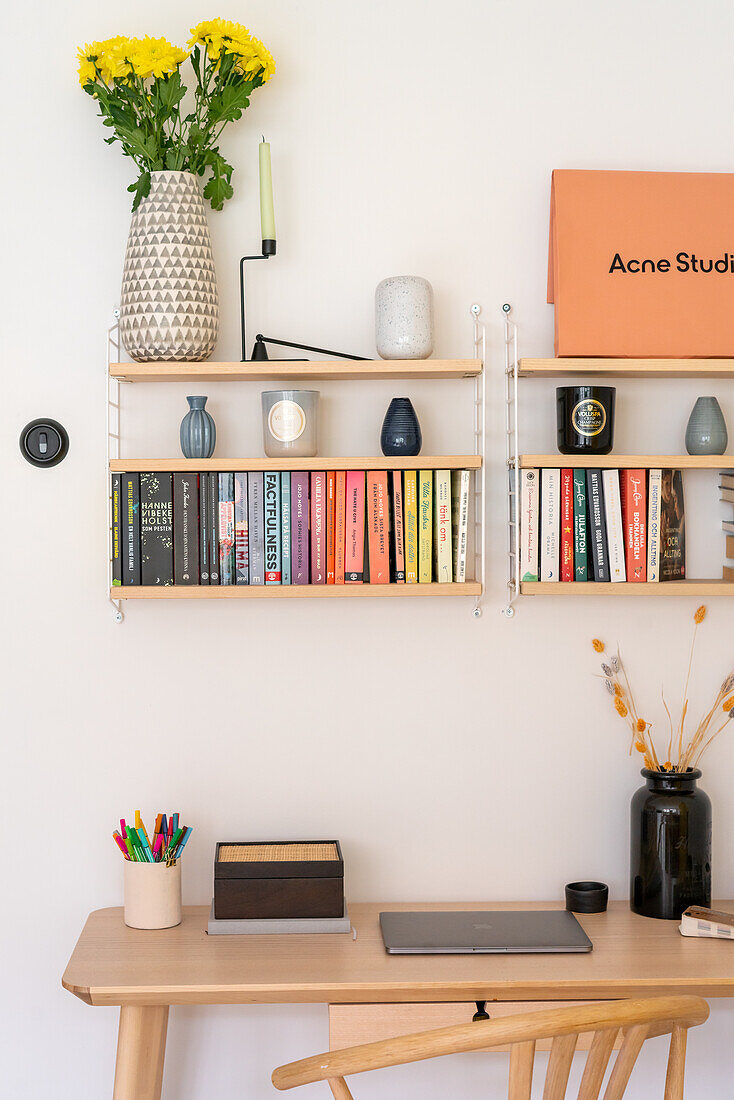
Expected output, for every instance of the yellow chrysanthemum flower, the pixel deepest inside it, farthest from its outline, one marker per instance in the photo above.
(222, 35)
(112, 58)
(154, 56)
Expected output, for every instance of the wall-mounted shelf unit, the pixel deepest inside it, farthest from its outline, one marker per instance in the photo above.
(118, 374)
(591, 369)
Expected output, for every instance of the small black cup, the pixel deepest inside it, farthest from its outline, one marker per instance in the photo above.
(587, 897)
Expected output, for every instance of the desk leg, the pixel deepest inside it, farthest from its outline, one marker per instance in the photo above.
(141, 1046)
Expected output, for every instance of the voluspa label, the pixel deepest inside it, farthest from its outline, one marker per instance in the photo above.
(589, 417)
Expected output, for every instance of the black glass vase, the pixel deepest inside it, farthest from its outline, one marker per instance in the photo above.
(670, 845)
(401, 432)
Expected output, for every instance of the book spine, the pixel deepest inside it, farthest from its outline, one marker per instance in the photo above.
(185, 528)
(425, 526)
(410, 489)
(204, 548)
(340, 525)
(654, 486)
(330, 526)
(727, 573)
(378, 527)
(672, 527)
(241, 547)
(615, 526)
(567, 570)
(354, 557)
(729, 546)
(529, 524)
(156, 528)
(460, 483)
(580, 535)
(442, 538)
(271, 490)
(633, 494)
(597, 525)
(397, 526)
(550, 486)
(300, 536)
(116, 547)
(285, 526)
(212, 534)
(130, 526)
(256, 527)
(226, 529)
(318, 528)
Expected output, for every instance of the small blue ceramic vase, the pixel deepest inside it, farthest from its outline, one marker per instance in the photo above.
(198, 431)
(706, 433)
(401, 432)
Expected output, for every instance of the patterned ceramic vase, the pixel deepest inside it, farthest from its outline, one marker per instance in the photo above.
(706, 433)
(169, 306)
(401, 432)
(198, 431)
(404, 318)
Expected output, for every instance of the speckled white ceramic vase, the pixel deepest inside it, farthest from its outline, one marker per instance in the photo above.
(404, 318)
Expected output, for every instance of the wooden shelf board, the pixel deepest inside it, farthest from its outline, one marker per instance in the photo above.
(290, 591)
(627, 368)
(696, 588)
(373, 462)
(273, 370)
(630, 462)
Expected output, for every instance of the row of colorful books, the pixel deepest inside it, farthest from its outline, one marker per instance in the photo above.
(602, 525)
(726, 485)
(282, 527)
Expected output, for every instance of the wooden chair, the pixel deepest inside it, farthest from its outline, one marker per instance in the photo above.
(638, 1021)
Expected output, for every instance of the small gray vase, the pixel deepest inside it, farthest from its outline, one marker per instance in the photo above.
(706, 433)
(198, 431)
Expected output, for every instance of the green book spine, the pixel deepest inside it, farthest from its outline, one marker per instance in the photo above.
(580, 553)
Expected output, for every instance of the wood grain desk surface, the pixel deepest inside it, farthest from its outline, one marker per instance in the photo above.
(632, 956)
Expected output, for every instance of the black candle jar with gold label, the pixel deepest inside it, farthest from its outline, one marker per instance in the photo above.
(585, 419)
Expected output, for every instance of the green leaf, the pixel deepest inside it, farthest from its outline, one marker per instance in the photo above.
(175, 159)
(228, 105)
(167, 94)
(141, 187)
(219, 188)
(196, 62)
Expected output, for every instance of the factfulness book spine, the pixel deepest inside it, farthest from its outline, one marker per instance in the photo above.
(529, 525)
(272, 527)
(615, 527)
(567, 573)
(653, 525)
(580, 537)
(550, 491)
(256, 528)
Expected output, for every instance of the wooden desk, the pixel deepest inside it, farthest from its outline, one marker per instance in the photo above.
(145, 972)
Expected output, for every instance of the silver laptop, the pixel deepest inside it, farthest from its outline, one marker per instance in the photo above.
(502, 932)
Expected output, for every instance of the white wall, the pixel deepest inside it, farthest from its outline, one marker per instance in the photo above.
(407, 137)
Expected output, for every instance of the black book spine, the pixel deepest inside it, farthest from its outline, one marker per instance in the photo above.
(597, 525)
(213, 527)
(116, 549)
(203, 529)
(156, 528)
(186, 528)
(130, 528)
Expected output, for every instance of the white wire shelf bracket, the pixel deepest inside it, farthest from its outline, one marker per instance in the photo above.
(112, 444)
(480, 448)
(512, 452)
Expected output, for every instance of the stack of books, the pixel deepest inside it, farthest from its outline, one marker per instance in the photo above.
(580, 525)
(294, 528)
(726, 485)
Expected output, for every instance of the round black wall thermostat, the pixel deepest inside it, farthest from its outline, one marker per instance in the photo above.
(44, 442)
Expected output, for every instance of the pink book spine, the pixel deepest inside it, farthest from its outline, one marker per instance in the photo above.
(318, 528)
(354, 558)
(299, 528)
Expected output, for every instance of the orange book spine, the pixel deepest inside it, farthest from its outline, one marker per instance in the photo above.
(330, 527)
(378, 526)
(340, 521)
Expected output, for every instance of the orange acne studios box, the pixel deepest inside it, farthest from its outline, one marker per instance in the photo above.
(641, 264)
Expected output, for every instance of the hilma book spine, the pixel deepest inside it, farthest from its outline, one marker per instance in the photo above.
(241, 548)
(226, 529)
(271, 481)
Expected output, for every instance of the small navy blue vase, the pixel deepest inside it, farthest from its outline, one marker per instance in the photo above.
(198, 431)
(401, 432)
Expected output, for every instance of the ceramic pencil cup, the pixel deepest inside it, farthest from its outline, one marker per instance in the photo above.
(152, 895)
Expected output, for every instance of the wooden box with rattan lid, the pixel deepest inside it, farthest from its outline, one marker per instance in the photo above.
(278, 880)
